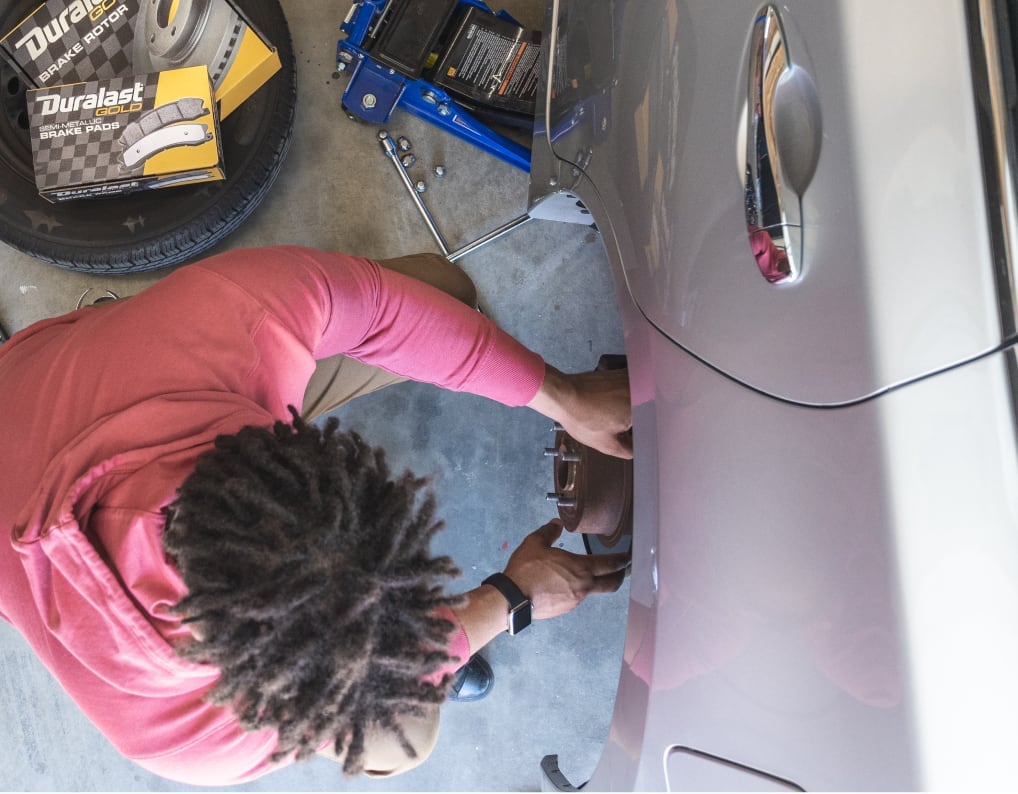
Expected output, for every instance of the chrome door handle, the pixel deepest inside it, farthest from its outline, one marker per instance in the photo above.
(782, 148)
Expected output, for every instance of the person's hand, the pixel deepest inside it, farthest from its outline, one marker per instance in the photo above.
(592, 407)
(600, 414)
(556, 580)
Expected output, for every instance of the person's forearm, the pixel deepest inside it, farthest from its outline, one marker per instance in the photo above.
(554, 580)
(554, 396)
(593, 407)
(484, 615)
(423, 334)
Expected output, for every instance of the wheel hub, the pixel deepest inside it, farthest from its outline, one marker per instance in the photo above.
(593, 492)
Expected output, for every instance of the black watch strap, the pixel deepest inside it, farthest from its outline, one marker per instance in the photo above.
(519, 605)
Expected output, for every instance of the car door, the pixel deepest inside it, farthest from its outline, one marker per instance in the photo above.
(826, 466)
(844, 132)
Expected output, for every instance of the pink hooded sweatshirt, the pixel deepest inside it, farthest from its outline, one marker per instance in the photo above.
(104, 412)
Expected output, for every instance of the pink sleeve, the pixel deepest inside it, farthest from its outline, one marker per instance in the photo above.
(422, 333)
(343, 304)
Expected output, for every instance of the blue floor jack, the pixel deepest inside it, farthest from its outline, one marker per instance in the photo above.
(445, 61)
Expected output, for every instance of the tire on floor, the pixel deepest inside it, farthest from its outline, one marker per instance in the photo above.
(159, 228)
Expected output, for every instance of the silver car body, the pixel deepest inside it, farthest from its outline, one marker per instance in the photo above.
(824, 589)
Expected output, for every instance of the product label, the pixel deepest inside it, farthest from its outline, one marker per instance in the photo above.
(493, 61)
(75, 129)
(77, 41)
(88, 38)
(114, 132)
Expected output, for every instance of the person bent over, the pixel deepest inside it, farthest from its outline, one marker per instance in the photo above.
(224, 587)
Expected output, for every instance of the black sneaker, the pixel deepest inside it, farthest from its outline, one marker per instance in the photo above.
(473, 681)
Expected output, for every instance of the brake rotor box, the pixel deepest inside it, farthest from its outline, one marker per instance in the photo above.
(111, 137)
(73, 41)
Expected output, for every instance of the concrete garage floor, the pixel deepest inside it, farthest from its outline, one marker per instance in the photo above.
(546, 283)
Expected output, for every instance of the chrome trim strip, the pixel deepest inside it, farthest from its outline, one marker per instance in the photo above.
(998, 148)
(993, 74)
(551, 51)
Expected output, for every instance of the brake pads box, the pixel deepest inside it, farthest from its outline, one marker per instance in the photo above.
(75, 41)
(110, 137)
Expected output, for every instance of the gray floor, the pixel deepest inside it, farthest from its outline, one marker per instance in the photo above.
(546, 283)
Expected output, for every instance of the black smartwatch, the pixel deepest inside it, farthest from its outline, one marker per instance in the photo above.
(519, 605)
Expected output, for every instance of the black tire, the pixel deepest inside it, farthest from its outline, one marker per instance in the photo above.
(152, 229)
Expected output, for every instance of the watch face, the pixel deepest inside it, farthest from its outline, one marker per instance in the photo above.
(519, 618)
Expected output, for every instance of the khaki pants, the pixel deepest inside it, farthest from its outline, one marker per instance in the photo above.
(338, 380)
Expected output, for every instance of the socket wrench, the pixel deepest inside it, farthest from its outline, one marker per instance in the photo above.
(392, 152)
(469, 248)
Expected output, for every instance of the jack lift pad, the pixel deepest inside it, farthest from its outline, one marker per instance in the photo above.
(445, 61)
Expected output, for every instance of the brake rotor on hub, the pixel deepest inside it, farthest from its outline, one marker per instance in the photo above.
(594, 494)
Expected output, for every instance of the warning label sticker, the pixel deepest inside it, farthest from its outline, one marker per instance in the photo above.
(492, 61)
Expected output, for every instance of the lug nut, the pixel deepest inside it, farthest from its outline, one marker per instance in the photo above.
(408, 160)
(420, 187)
(439, 171)
(403, 144)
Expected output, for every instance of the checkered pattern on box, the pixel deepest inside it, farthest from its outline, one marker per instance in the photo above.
(70, 160)
(105, 54)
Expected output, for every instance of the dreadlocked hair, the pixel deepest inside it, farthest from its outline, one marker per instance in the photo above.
(310, 578)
